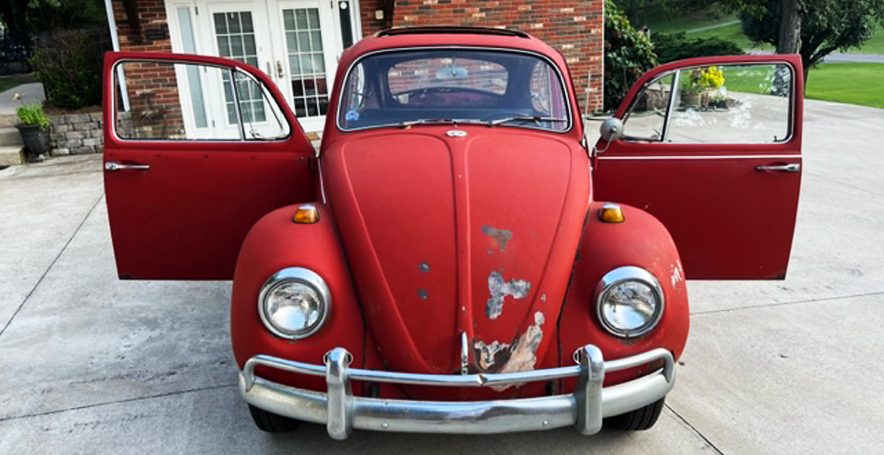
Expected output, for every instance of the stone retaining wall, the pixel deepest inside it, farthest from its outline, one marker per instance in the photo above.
(76, 134)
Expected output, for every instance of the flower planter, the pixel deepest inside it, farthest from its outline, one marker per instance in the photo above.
(691, 99)
(36, 141)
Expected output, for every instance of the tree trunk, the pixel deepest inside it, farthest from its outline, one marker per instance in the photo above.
(790, 27)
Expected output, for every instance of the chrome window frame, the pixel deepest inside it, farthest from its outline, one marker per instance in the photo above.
(265, 90)
(790, 121)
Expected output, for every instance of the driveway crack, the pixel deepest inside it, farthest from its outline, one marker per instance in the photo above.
(695, 430)
(125, 400)
(46, 272)
(774, 304)
(844, 184)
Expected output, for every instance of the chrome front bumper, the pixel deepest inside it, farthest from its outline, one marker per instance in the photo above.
(342, 412)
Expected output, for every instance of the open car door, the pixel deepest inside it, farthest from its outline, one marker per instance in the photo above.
(196, 150)
(712, 148)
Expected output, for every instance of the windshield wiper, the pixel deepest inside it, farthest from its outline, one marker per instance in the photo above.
(426, 121)
(535, 118)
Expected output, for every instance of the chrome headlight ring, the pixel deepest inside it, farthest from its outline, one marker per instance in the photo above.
(631, 280)
(313, 296)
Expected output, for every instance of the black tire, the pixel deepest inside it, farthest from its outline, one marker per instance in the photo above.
(272, 423)
(639, 420)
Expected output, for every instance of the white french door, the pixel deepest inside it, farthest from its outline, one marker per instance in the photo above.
(306, 50)
(296, 42)
(234, 30)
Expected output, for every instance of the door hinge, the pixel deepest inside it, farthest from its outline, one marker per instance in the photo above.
(196, 10)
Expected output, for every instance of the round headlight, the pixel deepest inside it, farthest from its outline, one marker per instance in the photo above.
(294, 303)
(630, 301)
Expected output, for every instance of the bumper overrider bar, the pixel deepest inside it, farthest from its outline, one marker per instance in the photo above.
(341, 411)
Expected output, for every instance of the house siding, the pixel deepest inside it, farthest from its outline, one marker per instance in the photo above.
(574, 28)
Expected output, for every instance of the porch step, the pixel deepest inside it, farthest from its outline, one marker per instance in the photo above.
(11, 155)
(8, 120)
(9, 136)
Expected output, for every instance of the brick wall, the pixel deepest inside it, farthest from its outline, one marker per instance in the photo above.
(572, 27)
(155, 109)
(151, 87)
(151, 16)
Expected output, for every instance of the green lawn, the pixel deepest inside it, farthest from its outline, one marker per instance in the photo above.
(729, 32)
(6, 84)
(658, 21)
(655, 18)
(749, 79)
(848, 82)
(874, 45)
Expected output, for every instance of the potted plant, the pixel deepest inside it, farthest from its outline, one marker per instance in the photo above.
(34, 128)
(700, 81)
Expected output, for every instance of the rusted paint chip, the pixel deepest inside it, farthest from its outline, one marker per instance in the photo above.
(523, 354)
(499, 289)
(501, 236)
(489, 355)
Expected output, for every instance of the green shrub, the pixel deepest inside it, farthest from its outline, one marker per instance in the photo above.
(32, 114)
(69, 64)
(628, 54)
(677, 46)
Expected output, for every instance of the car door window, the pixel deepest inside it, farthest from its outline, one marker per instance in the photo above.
(733, 104)
(188, 101)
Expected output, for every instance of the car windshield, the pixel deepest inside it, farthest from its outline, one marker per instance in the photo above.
(406, 88)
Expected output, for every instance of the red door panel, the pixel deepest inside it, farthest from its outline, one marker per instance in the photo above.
(180, 209)
(730, 208)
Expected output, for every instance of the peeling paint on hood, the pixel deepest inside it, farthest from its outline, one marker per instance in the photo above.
(499, 289)
(487, 355)
(523, 355)
(501, 236)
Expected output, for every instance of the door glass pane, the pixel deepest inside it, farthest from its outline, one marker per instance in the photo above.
(235, 35)
(306, 61)
(169, 101)
(163, 105)
(732, 104)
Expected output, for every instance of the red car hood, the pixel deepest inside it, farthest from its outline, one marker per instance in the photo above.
(450, 235)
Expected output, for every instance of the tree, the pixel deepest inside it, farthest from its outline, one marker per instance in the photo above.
(628, 54)
(35, 16)
(787, 27)
(826, 25)
(790, 27)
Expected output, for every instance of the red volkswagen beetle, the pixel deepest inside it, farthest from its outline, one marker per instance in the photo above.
(455, 258)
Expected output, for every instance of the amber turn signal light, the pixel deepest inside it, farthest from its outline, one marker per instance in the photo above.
(611, 213)
(306, 214)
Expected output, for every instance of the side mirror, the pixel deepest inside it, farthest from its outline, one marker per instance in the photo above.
(611, 129)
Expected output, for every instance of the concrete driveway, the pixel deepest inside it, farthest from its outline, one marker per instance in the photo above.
(90, 364)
